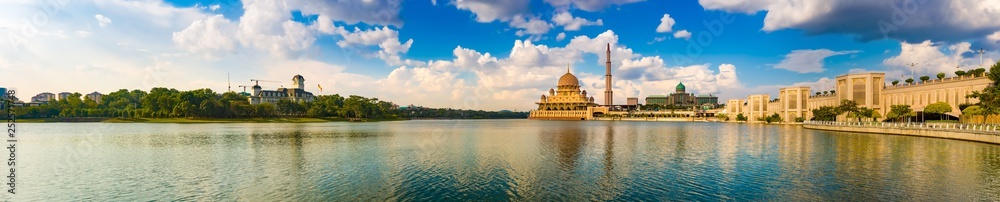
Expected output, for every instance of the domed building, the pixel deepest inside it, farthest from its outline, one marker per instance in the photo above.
(681, 98)
(566, 102)
(296, 93)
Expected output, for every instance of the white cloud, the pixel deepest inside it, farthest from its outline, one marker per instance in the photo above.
(808, 61)
(666, 24)
(374, 12)
(571, 23)
(210, 37)
(530, 26)
(683, 34)
(910, 21)
(931, 58)
(994, 38)
(657, 39)
(471, 79)
(266, 25)
(587, 5)
(493, 10)
(387, 40)
(214, 7)
(102, 21)
(561, 36)
(529, 70)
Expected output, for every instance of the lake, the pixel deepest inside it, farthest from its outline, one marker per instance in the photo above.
(492, 160)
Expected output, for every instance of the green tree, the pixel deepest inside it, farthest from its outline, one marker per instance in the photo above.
(740, 117)
(923, 79)
(909, 81)
(938, 108)
(895, 82)
(850, 107)
(825, 113)
(989, 98)
(899, 111)
(978, 72)
(723, 117)
(940, 75)
(833, 92)
(959, 73)
(774, 118)
(974, 110)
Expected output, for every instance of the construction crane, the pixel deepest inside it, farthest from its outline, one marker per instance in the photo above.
(257, 81)
(244, 90)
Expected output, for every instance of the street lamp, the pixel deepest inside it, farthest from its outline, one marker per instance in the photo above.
(981, 51)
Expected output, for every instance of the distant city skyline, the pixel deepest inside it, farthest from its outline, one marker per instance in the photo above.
(483, 54)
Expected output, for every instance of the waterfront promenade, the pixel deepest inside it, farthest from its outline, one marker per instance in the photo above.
(987, 133)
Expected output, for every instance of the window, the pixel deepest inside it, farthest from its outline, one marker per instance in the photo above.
(858, 85)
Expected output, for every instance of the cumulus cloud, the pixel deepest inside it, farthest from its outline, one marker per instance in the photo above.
(683, 34)
(910, 21)
(493, 10)
(530, 26)
(666, 24)
(994, 38)
(102, 21)
(571, 23)
(387, 40)
(931, 58)
(560, 36)
(514, 81)
(375, 12)
(808, 61)
(588, 5)
(210, 37)
(266, 25)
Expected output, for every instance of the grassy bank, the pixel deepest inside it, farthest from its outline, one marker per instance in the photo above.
(198, 120)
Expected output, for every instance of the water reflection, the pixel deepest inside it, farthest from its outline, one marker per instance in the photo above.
(495, 161)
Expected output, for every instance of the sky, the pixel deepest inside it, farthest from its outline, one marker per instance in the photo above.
(484, 54)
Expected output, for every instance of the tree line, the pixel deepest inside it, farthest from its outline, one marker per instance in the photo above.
(205, 103)
(979, 72)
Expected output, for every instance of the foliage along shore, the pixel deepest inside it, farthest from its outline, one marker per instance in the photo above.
(199, 120)
(162, 105)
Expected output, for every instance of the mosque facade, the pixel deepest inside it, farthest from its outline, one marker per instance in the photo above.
(567, 102)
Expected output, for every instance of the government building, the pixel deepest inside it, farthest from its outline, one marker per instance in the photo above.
(297, 93)
(867, 90)
(680, 98)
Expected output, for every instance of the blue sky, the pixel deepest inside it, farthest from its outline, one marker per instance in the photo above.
(484, 54)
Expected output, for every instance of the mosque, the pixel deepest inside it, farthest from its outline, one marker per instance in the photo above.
(568, 102)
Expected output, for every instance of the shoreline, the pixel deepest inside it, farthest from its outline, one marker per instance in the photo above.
(197, 120)
(988, 137)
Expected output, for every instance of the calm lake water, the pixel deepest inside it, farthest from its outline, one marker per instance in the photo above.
(493, 160)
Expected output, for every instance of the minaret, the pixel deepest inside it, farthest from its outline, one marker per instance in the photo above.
(608, 94)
